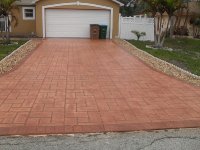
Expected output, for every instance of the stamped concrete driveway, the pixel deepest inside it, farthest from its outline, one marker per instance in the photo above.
(70, 86)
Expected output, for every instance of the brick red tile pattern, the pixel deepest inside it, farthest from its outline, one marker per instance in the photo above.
(78, 86)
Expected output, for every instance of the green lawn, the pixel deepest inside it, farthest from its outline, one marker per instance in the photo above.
(7, 49)
(185, 54)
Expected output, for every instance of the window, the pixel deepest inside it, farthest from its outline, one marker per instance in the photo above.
(28, 13)
(2, 24)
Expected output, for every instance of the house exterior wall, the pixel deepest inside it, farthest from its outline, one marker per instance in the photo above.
(194, 8)
(108, 3)
(23, 27)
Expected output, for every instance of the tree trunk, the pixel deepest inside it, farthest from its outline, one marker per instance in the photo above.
(7, 30)
(155, 33)
(186, 18)
(187, 15)
(172, 26)
(160, 32)
(164, 33)
(193, 30)
(168, 22)
(179, 18)
(176, 22)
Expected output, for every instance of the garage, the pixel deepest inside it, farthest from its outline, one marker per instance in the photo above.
(72, 19)
(74, 23)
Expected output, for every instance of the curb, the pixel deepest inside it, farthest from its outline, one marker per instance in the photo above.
(160, 64)
(15, 51)
(14, 58)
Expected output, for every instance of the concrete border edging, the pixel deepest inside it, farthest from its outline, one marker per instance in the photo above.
(10, 61)
(159, 64)
(10, 55)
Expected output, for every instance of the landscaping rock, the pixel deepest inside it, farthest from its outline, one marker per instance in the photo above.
(9, 62)
(159, 64)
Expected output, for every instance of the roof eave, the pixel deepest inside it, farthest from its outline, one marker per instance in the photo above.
(116, 1)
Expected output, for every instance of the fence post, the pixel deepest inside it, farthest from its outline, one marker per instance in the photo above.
(120, 22)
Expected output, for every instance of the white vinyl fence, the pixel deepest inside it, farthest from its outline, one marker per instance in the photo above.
(3, 23)
(136, 23)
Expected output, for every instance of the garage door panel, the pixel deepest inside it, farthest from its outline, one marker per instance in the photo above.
(74, 23)
(72, 28)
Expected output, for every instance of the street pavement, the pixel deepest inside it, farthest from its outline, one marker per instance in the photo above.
(183, 139)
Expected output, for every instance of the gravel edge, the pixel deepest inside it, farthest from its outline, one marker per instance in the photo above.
(10, 61)
(159, 64)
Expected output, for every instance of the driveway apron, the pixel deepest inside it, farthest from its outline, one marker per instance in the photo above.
(81, 85)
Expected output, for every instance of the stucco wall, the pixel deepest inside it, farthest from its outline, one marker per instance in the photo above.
(24, 27)
(107, 3)
(194, 7)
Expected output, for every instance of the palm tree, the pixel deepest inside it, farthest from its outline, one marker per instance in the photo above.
(6, 7)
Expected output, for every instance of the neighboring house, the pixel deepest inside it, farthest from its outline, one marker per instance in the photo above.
(194, 8)
(64, 18)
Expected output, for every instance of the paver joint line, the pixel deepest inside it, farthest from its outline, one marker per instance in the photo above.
(84, 86)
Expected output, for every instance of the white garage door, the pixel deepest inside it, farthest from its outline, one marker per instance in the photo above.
(74, 23)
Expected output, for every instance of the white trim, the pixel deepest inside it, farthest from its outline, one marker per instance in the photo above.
(119, 30)
(116, 1)
(77, 4)
(28, 18)
(3, 19)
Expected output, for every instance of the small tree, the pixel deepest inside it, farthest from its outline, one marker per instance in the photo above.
(6, 8)
(139, 34)
(157, 9)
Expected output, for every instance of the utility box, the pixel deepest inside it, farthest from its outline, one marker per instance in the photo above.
(94, 31)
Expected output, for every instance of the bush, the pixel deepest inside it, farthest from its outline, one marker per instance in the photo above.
(139, 34)
(183, 31)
